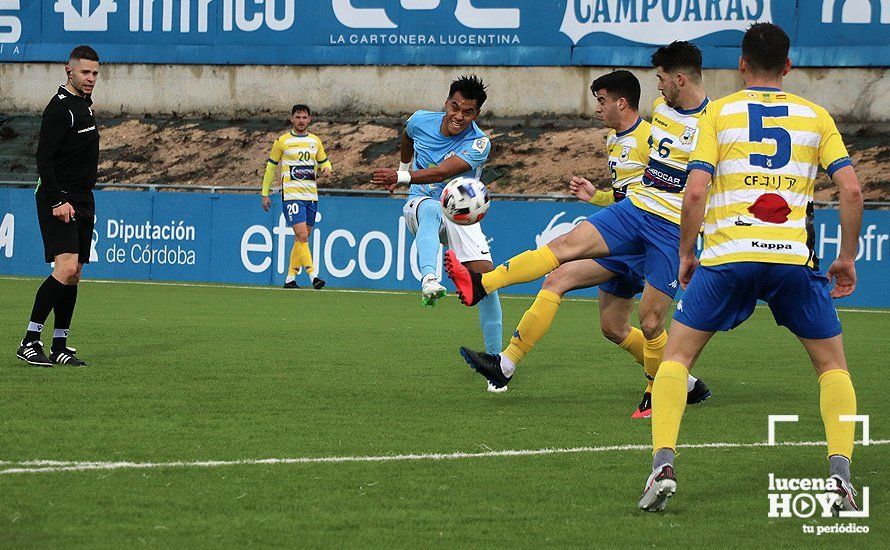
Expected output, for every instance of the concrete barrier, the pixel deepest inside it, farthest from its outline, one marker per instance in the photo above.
(850, 94)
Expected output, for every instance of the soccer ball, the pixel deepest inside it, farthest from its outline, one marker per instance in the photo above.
(465, 201)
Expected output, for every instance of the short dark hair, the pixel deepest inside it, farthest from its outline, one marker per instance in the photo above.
(299, 107)
(765, 48)
(471, 87)
(83, 52)
(619, 84)
(678, 55)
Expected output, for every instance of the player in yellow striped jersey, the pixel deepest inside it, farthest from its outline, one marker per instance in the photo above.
(301, 158)
(645, 224)
(671, 141)
(619, 277)
(753, 169)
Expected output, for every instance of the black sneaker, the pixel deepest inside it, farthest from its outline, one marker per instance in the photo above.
(317, 283)
(33, 354)
(66, 356)
(698, 393)
(291, 284)
(489, 366)
(468, 283)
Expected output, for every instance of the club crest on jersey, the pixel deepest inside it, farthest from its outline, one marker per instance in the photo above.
(687, 136)
(625, 151)
(480, 144)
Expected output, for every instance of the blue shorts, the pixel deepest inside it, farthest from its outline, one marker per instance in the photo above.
(300, 212)
(629, 230)
(628, 269)
(721, 297)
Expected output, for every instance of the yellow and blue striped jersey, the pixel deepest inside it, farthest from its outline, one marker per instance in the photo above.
(671, 142)
(301, 156)
(628, 154)
(763, 148)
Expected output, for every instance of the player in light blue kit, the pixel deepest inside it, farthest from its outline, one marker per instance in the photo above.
(436, 147)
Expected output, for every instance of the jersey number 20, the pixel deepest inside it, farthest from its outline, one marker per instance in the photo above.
(757, 133)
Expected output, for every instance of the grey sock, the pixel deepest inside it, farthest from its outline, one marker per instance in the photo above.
(662, 457)
(839, 466)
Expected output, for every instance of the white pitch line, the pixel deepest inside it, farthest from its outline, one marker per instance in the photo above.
(48, 466)
(329, 290)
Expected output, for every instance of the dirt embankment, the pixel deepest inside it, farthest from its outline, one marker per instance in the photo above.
(527, 157)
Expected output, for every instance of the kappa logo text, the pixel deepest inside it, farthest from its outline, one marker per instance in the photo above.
(771, 246)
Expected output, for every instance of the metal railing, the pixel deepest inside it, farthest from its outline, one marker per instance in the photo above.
(215, 189)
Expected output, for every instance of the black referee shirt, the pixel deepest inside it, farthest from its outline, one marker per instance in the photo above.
(68, 150)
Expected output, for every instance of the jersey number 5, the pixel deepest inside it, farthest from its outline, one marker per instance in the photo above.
(757, 133)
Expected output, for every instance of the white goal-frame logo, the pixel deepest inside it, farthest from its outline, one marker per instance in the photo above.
(807, 497)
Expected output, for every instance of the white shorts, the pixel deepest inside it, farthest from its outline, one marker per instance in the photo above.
(468, 242)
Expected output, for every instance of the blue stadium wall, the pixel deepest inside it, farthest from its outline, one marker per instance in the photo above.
(825, 33)
(358, 242)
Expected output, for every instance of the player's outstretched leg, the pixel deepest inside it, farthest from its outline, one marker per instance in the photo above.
(584, 241)
(536, 321)
(528, 266)
(429, 221)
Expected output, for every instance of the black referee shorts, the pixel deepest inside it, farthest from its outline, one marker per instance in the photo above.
(74, 237)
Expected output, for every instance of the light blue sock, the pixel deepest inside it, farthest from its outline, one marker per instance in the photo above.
(490, 318)
(429, 218)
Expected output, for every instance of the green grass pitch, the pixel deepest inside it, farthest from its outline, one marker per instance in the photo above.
(204, 373)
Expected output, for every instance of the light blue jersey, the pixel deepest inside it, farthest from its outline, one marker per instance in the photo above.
(431, 148)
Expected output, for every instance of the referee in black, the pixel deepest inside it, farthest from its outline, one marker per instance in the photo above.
(67, 163)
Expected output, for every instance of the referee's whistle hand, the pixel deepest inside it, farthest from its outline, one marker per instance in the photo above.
(267, 202)
(64, 212)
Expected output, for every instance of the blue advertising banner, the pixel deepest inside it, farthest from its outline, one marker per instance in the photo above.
(357, 243)
(831, 33)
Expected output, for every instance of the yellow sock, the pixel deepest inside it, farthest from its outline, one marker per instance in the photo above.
(305, 256)
(837, 397)
(528, 266)
(534, 324)
(633, 344)
(668, 404)
(295, 262)
(653, 350)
